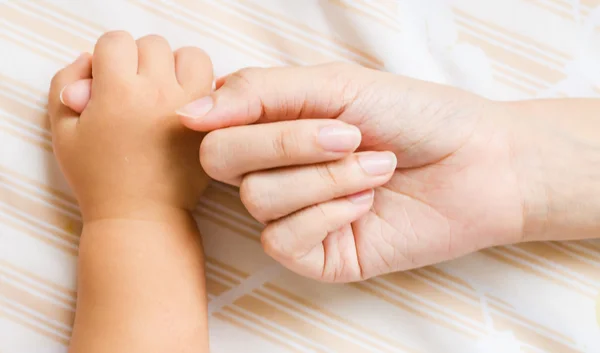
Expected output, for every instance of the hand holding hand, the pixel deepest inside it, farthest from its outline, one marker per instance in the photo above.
(358, 173)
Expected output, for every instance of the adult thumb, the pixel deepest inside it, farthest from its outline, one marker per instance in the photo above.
(76, 95)
(256, 95)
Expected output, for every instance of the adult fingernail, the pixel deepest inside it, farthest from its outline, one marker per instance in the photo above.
(196, 109)
(339, 138)
(377, 163)
(362, 197)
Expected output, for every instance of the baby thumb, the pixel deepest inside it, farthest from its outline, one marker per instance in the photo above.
(77, 95)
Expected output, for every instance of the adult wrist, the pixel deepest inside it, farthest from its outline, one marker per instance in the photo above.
(556, 155)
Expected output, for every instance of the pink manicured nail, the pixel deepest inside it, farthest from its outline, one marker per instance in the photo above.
(339, 138)
(362, 197)
(377, 163)
(197, 109)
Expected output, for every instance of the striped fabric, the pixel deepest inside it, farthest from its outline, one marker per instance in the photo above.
(523, 298)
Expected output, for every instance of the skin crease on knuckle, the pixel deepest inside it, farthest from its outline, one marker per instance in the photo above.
(329, 175)
(244, 77)
(342, 77)
(285, 145)
(246, 81)
(242, 80)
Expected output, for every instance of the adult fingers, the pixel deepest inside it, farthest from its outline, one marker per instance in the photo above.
(271, 194)
(297, 241)
(265, 94)
(230, 153)
(78, 70)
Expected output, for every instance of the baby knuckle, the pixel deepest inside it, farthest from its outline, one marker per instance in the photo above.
(122, 91)
(153, 39)
(115, 36)
(191, 51)
(162, 96)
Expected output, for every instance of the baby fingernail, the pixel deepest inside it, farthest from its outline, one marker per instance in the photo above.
(377, 163)
(197, 109)
(60, 95)
(362, 197)
(339, 138)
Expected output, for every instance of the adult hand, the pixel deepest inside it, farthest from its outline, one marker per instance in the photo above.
(440, 164)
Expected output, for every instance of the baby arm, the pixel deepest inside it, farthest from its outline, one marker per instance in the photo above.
(136, 174)
(141, 287)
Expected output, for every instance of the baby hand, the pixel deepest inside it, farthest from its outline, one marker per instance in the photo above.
(127, 155)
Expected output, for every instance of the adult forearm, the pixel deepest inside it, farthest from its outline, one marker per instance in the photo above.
(557, 155)
(140, 288)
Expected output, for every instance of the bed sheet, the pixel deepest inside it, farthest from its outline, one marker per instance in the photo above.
(521, 298)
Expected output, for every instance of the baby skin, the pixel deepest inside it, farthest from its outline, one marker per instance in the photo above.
(136, 175)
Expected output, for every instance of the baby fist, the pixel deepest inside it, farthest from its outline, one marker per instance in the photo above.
(127, 154)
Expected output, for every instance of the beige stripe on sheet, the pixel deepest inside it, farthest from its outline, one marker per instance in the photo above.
(29, 17)
(300, 31)
(4, 313)
(502, 257)
(198, 25)
(358, 8)
(518, 61)
(55, 13)
(267, 297)
(556, 7)
(566, 8)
